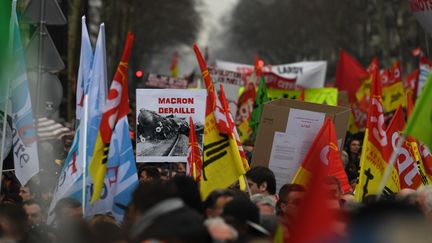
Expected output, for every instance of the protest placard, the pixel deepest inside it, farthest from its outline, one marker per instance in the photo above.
(163, 123)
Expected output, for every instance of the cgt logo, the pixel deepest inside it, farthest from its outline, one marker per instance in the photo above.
(406, 164)
(378, 130)
(325, 152)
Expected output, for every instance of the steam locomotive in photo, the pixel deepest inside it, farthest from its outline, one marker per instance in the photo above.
(153, 127)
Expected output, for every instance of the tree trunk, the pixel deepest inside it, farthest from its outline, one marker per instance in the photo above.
(74, 25)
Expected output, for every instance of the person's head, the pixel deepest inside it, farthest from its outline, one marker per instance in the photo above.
(220, 230)
(187, 190)
(215, 202)
(151, 193)
(108, 232)
(388, 221)
(290, 197)
(407, 195)
(244, 216)
(68, 208)
(102, 218)
(13, 221)
(334, 187)
(147, 173)
(29, 191)
(261, 180)
(265, 203)
(354, 146)
(345, 158)
(35, 212)
(160, 215)
(424, 199)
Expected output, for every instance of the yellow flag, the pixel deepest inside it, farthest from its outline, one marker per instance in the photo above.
(393, 96)
(372, 167)
(222, 164)
(244, 131)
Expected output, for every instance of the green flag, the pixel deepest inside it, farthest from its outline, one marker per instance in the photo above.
(420, 123)
(260, 99)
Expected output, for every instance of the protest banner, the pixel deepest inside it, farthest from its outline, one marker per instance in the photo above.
(284, 76)
(422, 11)
(165, 82)
(231, 82)
(163, 123)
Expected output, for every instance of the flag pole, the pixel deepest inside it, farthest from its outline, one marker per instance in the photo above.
(84, 152)
(390, 165)
(247, 186)
(5, 111)
(2, 153)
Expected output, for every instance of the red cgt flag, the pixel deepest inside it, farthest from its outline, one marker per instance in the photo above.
(194, 155)
(316, 220)
(324, 152)
(406, 162)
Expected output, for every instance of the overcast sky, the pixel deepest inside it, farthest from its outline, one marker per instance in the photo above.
(214, 14)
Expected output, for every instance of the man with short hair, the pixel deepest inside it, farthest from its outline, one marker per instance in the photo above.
(215, 202)
(261, 180)
(290, 197)
(147, 173)
(68, 208)
(29, 191)
(35, 212)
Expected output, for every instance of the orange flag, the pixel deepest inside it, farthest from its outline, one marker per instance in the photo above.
(194, 154)
(324, 151)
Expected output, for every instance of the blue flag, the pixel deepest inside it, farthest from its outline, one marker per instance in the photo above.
(25, 151)
(121, 178)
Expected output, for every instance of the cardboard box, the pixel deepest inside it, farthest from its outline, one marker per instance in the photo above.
(275, 117)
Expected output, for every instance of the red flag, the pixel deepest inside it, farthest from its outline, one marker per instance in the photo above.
(406, 164)
(409, 104)
(349, 74)
(194, 154)
(396, 72)
(385, 77)
(374, 65)
(316, 217)
(211, 95)
(259, 66)
(324, 149)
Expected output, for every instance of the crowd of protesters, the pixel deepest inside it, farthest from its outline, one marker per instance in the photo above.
(167, 207)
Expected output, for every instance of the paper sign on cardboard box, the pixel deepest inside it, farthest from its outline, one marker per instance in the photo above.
(299, 121)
